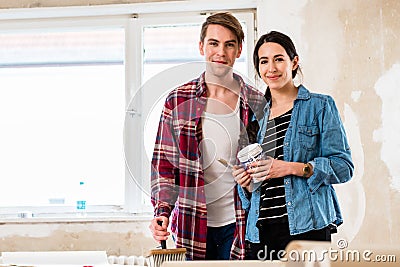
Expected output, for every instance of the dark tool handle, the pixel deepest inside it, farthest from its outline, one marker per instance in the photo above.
(163, 242)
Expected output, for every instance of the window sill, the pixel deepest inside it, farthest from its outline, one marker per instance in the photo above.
(74, 218)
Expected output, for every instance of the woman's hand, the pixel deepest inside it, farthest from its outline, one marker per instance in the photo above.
(241, 176)
(269, 169)
(260, 170)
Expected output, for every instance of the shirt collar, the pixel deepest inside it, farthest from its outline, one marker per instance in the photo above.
(201, 86)
(303, 93)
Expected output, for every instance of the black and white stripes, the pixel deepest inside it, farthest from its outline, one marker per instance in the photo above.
(272, 198)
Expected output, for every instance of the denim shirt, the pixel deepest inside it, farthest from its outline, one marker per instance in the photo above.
(316, 135)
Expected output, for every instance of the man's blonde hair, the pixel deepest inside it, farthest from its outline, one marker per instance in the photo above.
(227, 20)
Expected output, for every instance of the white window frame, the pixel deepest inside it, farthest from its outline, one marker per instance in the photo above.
(124, 16)
(140, 114)
(33, 25)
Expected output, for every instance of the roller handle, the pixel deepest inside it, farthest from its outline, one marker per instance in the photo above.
(163, 242)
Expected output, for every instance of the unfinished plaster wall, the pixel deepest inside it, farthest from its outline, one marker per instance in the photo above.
(116, 238)
(349, 49)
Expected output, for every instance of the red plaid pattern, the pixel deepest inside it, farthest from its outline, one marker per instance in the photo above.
(177, 177)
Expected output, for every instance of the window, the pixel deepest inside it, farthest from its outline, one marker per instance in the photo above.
(74, 107)
(62, 109)
(170, 46)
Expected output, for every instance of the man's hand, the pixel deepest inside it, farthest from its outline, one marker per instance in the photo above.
(159, 232)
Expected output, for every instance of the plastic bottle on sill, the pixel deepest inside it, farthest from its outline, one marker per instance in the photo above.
(81, 200)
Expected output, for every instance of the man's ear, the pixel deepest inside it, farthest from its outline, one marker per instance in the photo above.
(239, 51)
(201, 48)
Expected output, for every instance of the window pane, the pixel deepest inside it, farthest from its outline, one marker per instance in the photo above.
(167, 46)
(61, 111)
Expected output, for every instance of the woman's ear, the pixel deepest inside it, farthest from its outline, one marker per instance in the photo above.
(295, 62)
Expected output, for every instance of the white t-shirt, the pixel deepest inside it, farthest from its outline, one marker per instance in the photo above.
(220, 140)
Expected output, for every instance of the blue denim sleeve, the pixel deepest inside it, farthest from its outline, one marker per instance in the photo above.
(335, 165)
(244, 197)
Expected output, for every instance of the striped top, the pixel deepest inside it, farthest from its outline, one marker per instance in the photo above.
(272, 198)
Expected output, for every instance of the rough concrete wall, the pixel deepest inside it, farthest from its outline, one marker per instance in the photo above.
(358, 59)
(116, 238)
(349, 49)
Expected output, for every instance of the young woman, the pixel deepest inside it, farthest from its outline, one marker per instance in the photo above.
(304, 134)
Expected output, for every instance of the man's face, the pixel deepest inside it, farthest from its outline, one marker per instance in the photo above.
(220, 47)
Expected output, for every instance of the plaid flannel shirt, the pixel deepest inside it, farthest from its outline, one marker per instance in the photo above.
(177, 177)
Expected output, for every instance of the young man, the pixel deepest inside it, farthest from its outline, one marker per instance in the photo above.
(201, 122)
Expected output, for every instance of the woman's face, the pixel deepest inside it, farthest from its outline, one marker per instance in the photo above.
(275, 65)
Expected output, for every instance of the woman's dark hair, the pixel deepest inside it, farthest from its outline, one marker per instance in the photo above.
(279, 38)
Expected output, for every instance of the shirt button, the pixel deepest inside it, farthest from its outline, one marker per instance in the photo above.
(257, 212)
(287, 182)
(289, 203)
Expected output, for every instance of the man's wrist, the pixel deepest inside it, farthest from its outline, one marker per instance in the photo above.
(163, 211)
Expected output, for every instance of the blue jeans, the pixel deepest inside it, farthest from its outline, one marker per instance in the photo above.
(219, 242)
